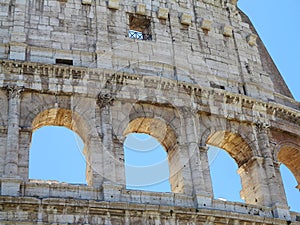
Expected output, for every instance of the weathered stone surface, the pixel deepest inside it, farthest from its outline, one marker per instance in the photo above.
(75, 65)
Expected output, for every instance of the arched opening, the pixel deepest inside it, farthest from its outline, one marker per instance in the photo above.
(232, 143)
(161, 134)
(292, 193)
(225, 180)
(289, 156)
(56, 151)
(146, 163)
(231, 151)
(56, 154)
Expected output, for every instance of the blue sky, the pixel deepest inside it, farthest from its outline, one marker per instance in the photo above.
(278, 24)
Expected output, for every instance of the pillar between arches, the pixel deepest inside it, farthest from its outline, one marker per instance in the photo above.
(255, 189)
(272, 177)
(180, 170)
(203, 188)
(12, 144)
(110, 149)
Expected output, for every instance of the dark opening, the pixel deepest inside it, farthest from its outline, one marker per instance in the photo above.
(214, 85)
(139, 27)
(64, 61)
(244, 89)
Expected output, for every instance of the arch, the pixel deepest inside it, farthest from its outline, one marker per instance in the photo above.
(156, 128)
(233, 143)
(292, 194)
(80, 112)
(64, 118)
(237, 138)
(61, 117)
(165, 112)
(226, 181)
(124, 113)
(51, 160)
(289, 154)
(146, 163)
(167, 137)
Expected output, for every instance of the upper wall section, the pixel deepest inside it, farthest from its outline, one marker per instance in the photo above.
(268, 63)
(203, 42)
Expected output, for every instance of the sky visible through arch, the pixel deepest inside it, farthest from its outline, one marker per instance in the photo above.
(277, 23)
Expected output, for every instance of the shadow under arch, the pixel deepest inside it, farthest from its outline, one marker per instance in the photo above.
(167, 137)
(288, 153)
(233, 143)
(61, 117)
(155, 128)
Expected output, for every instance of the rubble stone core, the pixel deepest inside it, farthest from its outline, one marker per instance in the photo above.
(189, 73)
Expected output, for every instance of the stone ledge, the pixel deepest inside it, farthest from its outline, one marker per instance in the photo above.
(65, 209)
(85, 75)
(49, 192)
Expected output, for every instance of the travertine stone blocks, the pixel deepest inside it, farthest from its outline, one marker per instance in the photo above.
(17, 51)
(206, 25)
(10, 186)
(163, 13)
(251, 39)
(113, 4)
(234, 2)
(187, 89)
(186, 19)
(140, 9)
(87, 2)
(227, 31)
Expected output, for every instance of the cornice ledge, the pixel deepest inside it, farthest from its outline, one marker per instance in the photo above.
(123, 78)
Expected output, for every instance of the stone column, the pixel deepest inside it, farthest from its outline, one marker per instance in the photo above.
(273, 180)
(255, 189)
(12, 146)
(180, 170)
(259, 174)
(206, 170)
(10, 183)
(113, 164)
(198, 179)
(94, 159)
(201, 177)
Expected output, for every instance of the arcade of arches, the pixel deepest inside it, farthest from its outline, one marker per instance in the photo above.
(183, 134)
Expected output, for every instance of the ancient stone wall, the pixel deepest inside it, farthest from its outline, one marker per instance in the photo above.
(203, 42)
(191, 75)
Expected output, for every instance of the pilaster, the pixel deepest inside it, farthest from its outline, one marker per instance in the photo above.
(113, 167)
(12, 145)
(204, 192)
(262, 184)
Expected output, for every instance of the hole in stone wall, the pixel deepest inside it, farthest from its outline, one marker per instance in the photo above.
(146, 164)
(244, 89)
(225, 180)
(139, 27)
(56, 154)
(292, 193)
(214, 85)
(64, 61)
